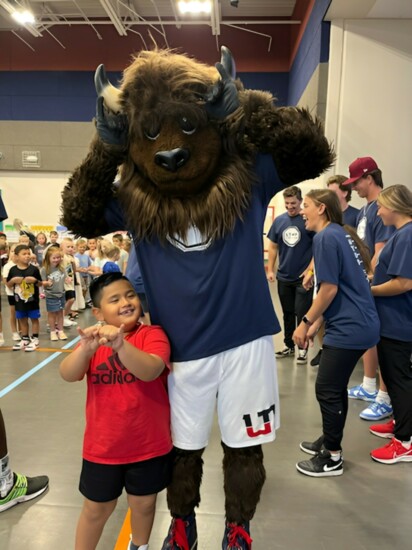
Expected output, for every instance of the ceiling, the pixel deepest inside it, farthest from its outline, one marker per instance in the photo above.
(128, 16)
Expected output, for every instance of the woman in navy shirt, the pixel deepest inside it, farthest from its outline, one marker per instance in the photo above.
(345, 303)
(392, 289)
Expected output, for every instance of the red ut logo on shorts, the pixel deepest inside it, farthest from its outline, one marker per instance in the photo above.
(267, 427)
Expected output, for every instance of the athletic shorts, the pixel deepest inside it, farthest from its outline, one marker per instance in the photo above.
(31, 314)
(105, 482)
(11, 300)
(241, 383)
(54, 304)
(69, 295)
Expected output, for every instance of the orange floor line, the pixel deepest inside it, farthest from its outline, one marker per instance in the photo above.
(124, 535)
(9, 348)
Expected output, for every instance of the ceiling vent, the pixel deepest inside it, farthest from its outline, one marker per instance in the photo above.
(31, 159)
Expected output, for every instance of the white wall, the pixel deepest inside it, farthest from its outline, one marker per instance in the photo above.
(369, 106)
(33, 197)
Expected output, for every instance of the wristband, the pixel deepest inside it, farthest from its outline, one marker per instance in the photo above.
(306, 320)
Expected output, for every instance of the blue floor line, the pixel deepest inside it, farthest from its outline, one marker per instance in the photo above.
(35, 369)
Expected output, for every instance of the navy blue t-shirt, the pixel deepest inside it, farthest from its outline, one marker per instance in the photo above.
(294, 246)
(370, 227)
(395, 260)
(351, 320)
(350, 216)
(213, 296)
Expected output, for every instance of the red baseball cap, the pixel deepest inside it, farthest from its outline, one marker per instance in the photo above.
(360, 167)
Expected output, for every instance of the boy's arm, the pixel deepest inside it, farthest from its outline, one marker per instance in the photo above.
(145, 366)
(76, 364)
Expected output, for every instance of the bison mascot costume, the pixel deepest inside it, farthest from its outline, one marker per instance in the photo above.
(199, 158)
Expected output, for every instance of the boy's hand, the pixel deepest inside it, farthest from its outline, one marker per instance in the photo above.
(30, 279)
(111, 336)
(89, 339)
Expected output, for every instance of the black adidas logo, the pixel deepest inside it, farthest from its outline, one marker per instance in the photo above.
(112, 372)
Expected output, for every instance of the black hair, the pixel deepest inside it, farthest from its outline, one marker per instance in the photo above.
(21, 247)
(98, 284)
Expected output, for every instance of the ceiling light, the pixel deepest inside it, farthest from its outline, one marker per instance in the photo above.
(23, 17)
(195, 6)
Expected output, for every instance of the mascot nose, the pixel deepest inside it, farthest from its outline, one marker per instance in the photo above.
(172, 160)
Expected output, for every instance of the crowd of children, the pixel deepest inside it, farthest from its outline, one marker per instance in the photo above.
(58, 271)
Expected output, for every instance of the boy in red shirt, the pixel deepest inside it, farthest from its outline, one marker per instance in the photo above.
(127, 441)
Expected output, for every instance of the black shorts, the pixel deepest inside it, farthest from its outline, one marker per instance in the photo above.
(105, 482)
(69, 294)
(11, 300)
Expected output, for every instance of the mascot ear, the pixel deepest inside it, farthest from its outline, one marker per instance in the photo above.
(222, 99)
(106, 90)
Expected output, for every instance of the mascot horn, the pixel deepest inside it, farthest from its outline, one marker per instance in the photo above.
(199, 159)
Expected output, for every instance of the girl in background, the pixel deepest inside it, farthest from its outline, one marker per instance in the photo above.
(107, 256)
(40, 247)
(53, 275)
(10, 295)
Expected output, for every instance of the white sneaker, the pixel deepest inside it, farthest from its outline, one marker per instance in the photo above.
(16, 337)
(302, 356)
(67, 323)
(34, 344)
(21, 345)
(1, 339)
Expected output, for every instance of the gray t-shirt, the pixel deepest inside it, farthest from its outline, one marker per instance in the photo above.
(58, 277)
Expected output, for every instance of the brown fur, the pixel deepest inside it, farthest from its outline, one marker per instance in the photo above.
(183, 493)
(244, 476)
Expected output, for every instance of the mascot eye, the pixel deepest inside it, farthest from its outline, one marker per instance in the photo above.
(187, 127)
(152, 133)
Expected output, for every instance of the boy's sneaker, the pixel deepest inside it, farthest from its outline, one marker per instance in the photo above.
(314, 447)
(22, 345)
(383, 430)
(316, 360)
(16, 337)
(54, 337)
(321, 465)
(302, 357)
(1, 339)
(285, 352)
(237, 536)
(62, 335)
(24, 488)
(359, 392)
(33, 345)
(182, 534)
(376, 411)
(392, 453)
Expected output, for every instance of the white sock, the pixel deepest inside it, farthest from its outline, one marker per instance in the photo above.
(335, 456)
(383, 397)
(6, 476)
(369, 384)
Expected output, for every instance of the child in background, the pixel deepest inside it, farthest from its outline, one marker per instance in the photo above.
(68, 263)
(10, 294)
(105, 262)
(40, 247)
(85, 262)
(53, 237)
(118, 240)
(24, 278)
(127, 442)
(53, 276)
(4, 249)
(92, 248)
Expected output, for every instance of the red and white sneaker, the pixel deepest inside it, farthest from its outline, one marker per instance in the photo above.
(392, 453)
(383, 430)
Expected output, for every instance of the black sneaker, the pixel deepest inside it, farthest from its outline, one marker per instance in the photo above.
(302, 356)
(314, 447)
(316, 360)
(321, 465)
(285, 352)
(237, 536)
(24, 489)
(182, 534)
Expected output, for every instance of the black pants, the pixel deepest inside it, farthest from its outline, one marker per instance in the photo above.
(395, 363)
(335, 368)
(295, 302)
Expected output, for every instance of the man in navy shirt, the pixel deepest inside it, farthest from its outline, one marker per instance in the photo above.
(344, 193)
(289, 240)
(366, 180)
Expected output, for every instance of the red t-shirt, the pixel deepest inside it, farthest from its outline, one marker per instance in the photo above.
(127, 420)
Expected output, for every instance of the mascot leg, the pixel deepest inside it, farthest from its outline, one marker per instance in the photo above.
(244, 476)
(183, 495)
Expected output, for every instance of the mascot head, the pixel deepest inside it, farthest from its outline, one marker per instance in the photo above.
(180, 169)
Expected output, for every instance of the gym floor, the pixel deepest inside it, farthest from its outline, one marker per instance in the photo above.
(368, 507)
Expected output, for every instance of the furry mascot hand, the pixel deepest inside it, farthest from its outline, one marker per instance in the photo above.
(223, 99)
(112, 128)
